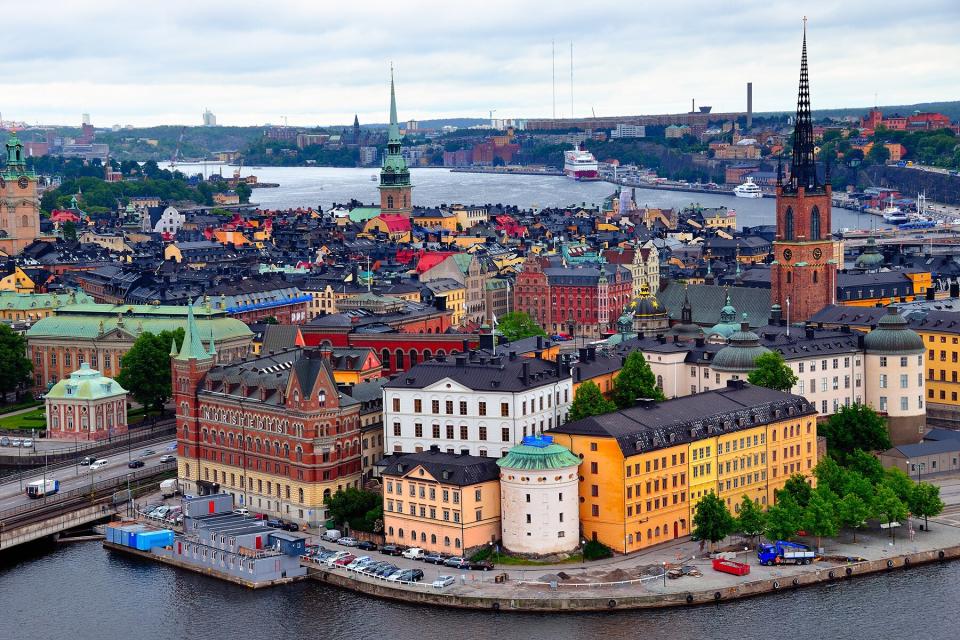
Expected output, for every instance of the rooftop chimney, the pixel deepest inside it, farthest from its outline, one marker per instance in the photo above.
(525, 373)
(461, 361)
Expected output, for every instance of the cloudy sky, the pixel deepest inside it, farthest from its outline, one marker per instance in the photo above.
(320, 61)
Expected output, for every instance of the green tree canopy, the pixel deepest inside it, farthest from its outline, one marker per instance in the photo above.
(70, 231)
(855, 427)
(635, 381)
(712, 520)
(517, 325)
(830, 475)
(798, 488)
(819, 516)
(772, 372)
(900, 482)
(362, 510)
(145, 369)
(866, 465)
(588, 401)
(784, 518)
(243, 190)
(888, 507)
(925, 502)
(752, 520)
(15, 367)
(852, 512)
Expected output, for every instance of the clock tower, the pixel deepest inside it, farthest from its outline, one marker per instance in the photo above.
(19, 205)
(803, 276)
(395, 187)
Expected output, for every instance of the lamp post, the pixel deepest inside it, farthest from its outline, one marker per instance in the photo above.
(664, 574)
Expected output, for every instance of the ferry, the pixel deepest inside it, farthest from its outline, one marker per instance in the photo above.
(580, 164)
(748, 190)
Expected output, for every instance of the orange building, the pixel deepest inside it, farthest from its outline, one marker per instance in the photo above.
(441, 502)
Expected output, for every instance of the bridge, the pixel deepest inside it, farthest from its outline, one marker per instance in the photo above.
(61, 512)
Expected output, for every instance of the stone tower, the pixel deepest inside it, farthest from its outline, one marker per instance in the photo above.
(395, 187)
(19, 206)
(804, 271)
(188, 367)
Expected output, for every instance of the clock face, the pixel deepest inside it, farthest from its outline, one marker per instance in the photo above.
(23, 182)
(787, 254)
(817, 253)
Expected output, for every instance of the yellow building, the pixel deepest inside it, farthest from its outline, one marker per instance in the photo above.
(441, 502)
(31, 307)
(645, 468)
(454, 297)
(435, 219)
(17, 281)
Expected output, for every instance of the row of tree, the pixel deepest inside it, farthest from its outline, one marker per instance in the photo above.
(845, 497)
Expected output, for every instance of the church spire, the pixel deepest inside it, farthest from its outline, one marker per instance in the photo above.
(393, 98)
(192, 347)
(803, 169)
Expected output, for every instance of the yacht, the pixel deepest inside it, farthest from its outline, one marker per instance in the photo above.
(747, 190)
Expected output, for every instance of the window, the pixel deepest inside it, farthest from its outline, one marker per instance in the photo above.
(436, 431)
(815, 223)
(594, 510)
(418, 405)
(463, 407)
(396, 404)
(594, 468)
(504, 410)
(463, 432)
(788, 224)
(418, 430)
(883, 359)
(483, 433)
(396, 429)
(449, 407)
(883, 381)
(883, 403)
(505, 434)
(482, 408)
(904, 403)
(435, 406)
(449, 432)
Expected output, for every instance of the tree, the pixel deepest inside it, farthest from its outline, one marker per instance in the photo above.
(901, 484)
(70, 231)
(831, 475)
(517, 325)
(819, 517)
(362, 510)
(852, 512)
(772, 372)
(855, 427)
(588, 401)
(865, 465)
(752, 520)
(145, 369)
(879, 153)
(243, 190)
(925, 502)
(712, 520)
(784, 518)
(269, 320)
(888, 507)
(635, 380)
(798, 488)
(15, 367)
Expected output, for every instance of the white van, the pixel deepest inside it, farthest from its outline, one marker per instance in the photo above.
(331, 535)
(413, 553)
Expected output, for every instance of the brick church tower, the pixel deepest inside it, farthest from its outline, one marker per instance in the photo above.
(803, 275)
(19, 205)
(188, 367)
(395, 187)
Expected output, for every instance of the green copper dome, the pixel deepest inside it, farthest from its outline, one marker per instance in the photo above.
(85, 384)
(893, 336)
(740, 355)
(871, 258)
(537, 453)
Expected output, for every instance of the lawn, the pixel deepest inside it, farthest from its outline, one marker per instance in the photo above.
(506, 559)
(35, 419)
(23, 404)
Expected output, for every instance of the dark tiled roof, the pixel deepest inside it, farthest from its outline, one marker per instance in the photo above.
(482, 373)
(690, 418)
(706, 300)
(447, 468)
(926, 448)
(278, 337)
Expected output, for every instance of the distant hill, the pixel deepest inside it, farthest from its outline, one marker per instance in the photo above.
(950, 109)
(434, 124)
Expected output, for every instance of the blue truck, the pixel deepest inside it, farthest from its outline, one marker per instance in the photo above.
(783, 552)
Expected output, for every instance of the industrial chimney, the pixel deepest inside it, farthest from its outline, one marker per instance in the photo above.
(749, 105)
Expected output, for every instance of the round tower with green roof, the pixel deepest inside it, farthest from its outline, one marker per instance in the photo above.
(539, 508)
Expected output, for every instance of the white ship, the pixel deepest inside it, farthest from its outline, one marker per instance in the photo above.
(580, 164)
(747, 190)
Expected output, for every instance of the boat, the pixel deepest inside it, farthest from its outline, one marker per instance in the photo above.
(580, 164)
(748, 190)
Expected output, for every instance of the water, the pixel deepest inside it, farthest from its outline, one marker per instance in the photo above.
(83, 591)
(322, 186)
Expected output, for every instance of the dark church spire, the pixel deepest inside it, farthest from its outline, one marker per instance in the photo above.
(803, 169)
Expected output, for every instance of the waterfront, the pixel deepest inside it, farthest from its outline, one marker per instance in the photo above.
(322, 186)
(97, 593)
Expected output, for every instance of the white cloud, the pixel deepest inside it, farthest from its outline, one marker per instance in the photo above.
(320, 62)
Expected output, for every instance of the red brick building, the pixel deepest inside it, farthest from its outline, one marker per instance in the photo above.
(583, 300)
(803, 276)
(272, 431)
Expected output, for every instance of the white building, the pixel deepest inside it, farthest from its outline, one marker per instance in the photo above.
(170, 222)
(539, 499)
(481, 405)
(629, 131)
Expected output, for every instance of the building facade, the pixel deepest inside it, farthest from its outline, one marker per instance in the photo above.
(86, 406)
(19, 207)
(274, 431)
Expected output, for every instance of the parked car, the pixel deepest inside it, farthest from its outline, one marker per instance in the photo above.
(443, 581)
(391, 550)
(4, 441)
(274, 523)
(146, 453)
(16, 442)
(165, 458)
(345, 560)
(434, 558)
(262, 516)
(406, 575)
(99, 464)
(159, 512)
(336, 556)
(366, 545)
(482, 565)
(86, 462)
(387, 570)
(135, 464)
(347, 541)
(241, 512)
(28, 442)
(457, 562)
(286, 525)
(413, 553)
(373, 567)
(359, 562)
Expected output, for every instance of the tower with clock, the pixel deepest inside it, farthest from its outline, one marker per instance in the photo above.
(19, 207)
(803, 276)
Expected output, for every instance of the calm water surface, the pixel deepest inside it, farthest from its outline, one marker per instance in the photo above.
(82, 591)
(321, 186)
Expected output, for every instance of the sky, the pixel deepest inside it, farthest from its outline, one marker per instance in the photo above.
(322, 61)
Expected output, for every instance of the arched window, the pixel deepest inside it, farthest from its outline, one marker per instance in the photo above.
(815, 223)
(385, 358)
(423, 537)
(427, 354)
(660, 382)
(299, 454)
(390, 206)
(433, 538)
(300, 495)
(399, 358)
(391, 531)
(815, 277)
(788, 224)
(789, 277)
(456, 542)
(23, 221)
(446, 541)
(400, 533)
(413, 357)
